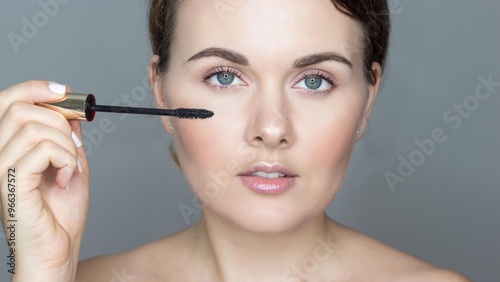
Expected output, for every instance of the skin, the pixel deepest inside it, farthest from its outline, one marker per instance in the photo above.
(267, 115)
(37, 143)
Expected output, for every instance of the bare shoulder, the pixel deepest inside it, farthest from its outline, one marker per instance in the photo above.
(99, 268)
(437, 275)
(139, 264)
(386, 263)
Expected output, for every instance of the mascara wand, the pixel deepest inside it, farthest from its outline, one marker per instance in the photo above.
(180, 113)
(77, 106)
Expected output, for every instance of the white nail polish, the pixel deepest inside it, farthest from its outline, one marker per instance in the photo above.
(79, 165)
(76, 140)
(57, 88)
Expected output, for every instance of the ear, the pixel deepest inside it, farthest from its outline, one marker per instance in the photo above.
(372, 95)
(155, 81)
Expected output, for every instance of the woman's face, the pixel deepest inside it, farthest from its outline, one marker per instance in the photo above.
(285, 81)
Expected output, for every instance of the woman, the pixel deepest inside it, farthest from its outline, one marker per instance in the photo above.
(292, 87)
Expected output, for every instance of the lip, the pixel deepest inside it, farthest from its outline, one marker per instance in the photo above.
(268, 168)
(262, 185)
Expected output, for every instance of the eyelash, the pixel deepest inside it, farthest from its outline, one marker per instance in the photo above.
(239, 75)
(218, 70)
(323, 75)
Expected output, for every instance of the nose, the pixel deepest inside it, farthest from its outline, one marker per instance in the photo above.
(270, 124)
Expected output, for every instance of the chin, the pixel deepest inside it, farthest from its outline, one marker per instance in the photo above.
(257, 213)
(262, 219)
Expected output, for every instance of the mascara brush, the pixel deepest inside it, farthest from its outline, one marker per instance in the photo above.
(77, 106)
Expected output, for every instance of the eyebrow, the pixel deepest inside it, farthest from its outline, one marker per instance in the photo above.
(221, 53)
(319, 58)
(241, 59)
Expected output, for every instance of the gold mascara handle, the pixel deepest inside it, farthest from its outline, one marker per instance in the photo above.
(73, 106)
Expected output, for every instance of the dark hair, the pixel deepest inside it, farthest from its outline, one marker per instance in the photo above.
(373, 15)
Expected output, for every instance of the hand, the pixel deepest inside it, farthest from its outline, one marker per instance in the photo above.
(51, 199)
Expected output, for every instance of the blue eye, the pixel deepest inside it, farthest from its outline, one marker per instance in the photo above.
(225, 78)
(314, 83)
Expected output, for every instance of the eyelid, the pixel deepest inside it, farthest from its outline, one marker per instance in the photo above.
(220, 69)
(315, 72)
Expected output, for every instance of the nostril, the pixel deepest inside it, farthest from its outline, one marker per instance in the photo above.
(259, 138)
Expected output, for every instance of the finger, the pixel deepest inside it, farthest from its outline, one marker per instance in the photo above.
(36, 161)
(31, 92)
(29, 169)
(80, 150)
(29, 136)
(20, 113)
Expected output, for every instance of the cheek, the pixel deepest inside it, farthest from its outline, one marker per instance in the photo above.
(195, 147)
(195, 143)
(206, 150)
(205, 147)
(335, 142)
(208, 142)
(327, 142)
(331, 154)
(193, 138)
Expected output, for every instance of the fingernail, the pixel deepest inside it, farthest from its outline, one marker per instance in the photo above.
(76, 140)
(79, 165)
(57, 88)
(68, 185)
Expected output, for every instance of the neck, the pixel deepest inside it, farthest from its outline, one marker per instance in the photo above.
(237, 255)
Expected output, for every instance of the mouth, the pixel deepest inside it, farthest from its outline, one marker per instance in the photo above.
(267, 170)
(271, 179)
(268, 175)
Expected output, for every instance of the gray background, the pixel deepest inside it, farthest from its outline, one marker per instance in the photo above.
(446, 212)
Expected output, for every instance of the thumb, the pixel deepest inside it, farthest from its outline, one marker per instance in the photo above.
(34, 91)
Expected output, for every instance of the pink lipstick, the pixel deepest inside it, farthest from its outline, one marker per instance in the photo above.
(264, 178)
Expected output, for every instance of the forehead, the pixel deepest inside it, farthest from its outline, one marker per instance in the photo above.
(265, 30)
